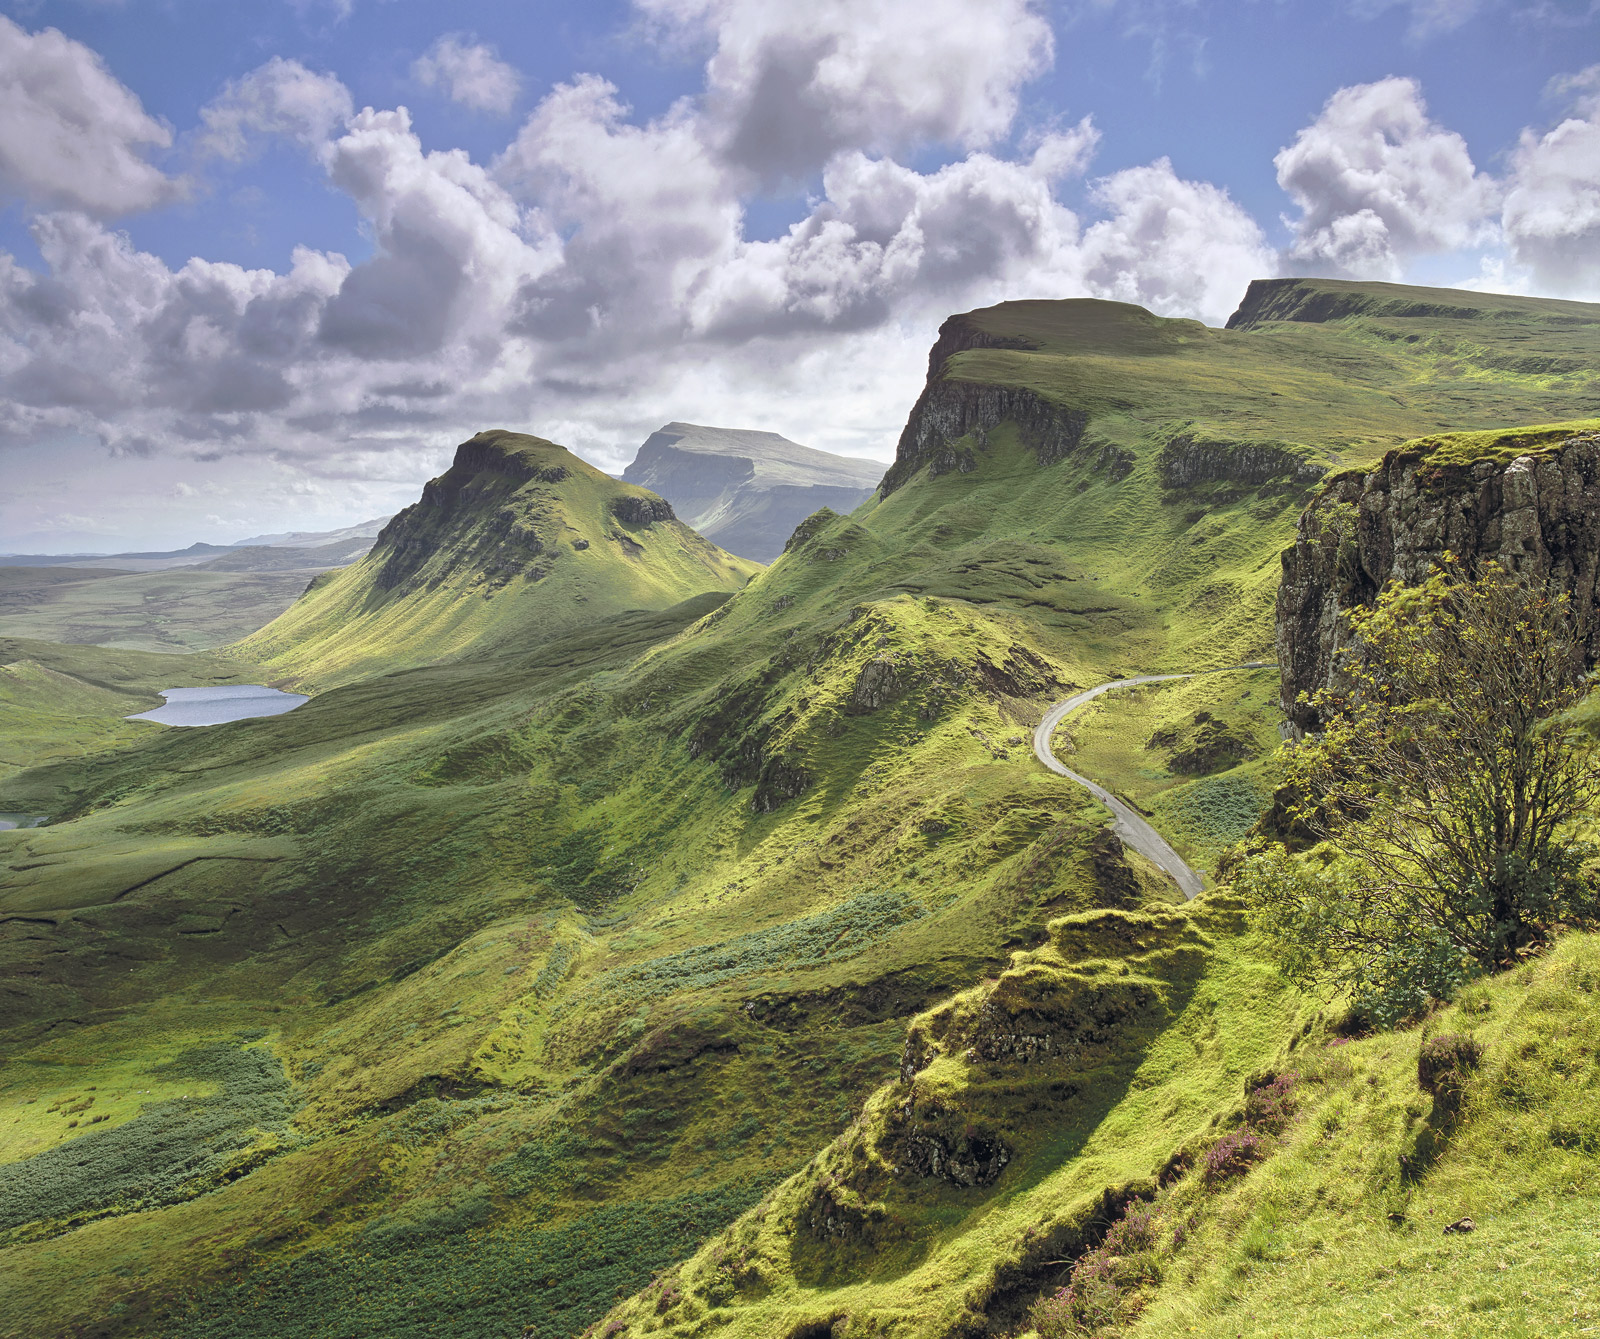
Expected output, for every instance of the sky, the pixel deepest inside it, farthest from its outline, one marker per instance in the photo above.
(263, 266)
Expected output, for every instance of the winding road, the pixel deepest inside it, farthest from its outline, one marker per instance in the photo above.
(1126, 822)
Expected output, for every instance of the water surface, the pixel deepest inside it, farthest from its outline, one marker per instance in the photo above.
(10, 821)
(213, 706)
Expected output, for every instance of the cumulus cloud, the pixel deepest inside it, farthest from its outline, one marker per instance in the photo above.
(597, 277)
(469, 73)
(453, 247)
(281, 98)
(1180, 248)
(1551, 215)
(72, 135)
(1378, 182)
(789, 86)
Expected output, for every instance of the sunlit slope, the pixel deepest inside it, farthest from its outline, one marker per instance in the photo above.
(1105, 1065)
(1343, 370)
(517, 542)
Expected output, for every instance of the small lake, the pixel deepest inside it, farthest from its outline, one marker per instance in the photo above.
(213, 706)
(10, 821)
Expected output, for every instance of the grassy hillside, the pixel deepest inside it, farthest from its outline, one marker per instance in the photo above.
(468, 995)
(64, 702)
(1333, 1216)
(517, 542)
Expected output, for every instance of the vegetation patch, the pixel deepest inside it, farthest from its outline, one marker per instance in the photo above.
(172, 1150)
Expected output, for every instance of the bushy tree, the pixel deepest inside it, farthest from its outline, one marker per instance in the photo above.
(1448, 787)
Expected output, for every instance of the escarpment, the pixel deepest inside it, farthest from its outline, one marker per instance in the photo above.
(950, 410)
(1537, 514)
(743, 489)
(1190, 457)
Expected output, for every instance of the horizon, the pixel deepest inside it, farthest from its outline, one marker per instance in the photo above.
(263, 269)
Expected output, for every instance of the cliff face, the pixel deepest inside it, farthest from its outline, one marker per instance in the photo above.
(1537, 513)
(1189, 458)
(949, 409)
(747, 490)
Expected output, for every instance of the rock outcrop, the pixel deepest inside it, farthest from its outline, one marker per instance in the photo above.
(1537, 514)
(647, 510)
(1189, 458)
(949, 410)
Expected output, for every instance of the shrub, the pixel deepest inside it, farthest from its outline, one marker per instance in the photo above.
(1232, 1156)
(1452, 784)
(1270, 1106)
(1099, 1290)
(1132, 1234)
(1087, 1304)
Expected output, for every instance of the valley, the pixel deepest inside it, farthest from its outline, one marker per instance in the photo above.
(627, 937)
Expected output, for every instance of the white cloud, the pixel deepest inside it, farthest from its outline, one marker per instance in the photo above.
(789, 86)
(280, 98)
(453, 248)
(597, 278)
(1180, 248)
(1378, 183)
(469, 73)
(1551, 215)
(71, 135)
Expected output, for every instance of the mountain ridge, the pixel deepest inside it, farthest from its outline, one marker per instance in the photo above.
(745, 489)
(519, 539)
(751, 921)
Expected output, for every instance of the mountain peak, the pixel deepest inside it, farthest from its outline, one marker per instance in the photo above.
(519, 540)
(747, 489)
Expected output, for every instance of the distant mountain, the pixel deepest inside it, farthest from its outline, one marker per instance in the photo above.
(334, 548)
(518, 542)
(313, 539)
(748, 490)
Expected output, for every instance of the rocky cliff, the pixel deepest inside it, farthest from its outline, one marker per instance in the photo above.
(950, 410)
(1535, 511)
(747, 490)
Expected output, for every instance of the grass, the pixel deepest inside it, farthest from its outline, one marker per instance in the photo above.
(1192, 753)
(523, 543)
(613, 916)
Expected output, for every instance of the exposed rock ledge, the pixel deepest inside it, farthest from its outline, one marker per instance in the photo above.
(1189, 458)
(949, 410)
(1538, 514)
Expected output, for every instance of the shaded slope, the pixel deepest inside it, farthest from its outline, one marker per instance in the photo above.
(747, 490)
(517, 542)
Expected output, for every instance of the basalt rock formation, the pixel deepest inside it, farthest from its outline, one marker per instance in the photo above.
(745, 490)
(1536, 513)
(951, 409)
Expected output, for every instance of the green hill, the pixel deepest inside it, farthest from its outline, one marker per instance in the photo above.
(517, 542)
(472, 993)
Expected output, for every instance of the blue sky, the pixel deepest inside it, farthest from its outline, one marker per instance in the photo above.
(236, 302)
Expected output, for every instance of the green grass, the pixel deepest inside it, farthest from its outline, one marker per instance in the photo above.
(613, 915)
(1460, 448)
(499, 555)
(1191, 753)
